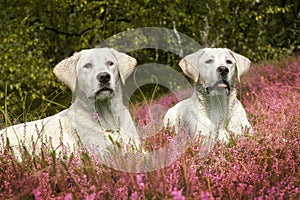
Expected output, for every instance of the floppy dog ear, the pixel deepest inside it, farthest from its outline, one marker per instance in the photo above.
(65, 71)
(126, 65)
(189, 65)
(242, 64)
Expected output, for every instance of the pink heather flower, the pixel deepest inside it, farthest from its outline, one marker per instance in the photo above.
(38, 131)
(91, 196)
(205, 196)
(37, 194)
(139, 179)
(134, 196)
(68, 196)
(96, 116)
(15, 121)
(177, 195)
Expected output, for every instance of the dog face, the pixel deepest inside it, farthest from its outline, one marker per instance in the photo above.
(95, 73)
(214, 68)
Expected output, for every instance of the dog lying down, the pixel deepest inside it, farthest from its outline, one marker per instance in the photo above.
(97, 115)
(213, 111)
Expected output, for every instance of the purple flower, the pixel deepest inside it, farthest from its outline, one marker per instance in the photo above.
(139, 179)
(68, 196)
(134, 196)
(205, 196)
(96, 116)
(37, 194)
(177, 195)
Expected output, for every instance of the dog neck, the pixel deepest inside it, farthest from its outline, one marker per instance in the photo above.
(104, 112)
(216, 107)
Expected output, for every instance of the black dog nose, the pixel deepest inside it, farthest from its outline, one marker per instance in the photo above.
(103, 77)
(223, 70)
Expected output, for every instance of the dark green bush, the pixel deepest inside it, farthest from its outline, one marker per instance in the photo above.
(35, 35)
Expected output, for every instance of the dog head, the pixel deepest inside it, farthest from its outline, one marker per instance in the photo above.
(95, 72)
(214, 68)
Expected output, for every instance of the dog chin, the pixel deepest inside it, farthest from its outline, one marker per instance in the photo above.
(103, 94)
(221, 87)
(218, 92)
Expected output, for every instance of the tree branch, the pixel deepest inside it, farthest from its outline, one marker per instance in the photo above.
(67, 33)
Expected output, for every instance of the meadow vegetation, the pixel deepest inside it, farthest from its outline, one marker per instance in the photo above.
(265, 165)
(35, 35)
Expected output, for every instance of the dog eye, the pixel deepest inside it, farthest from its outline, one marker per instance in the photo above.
(228, 61)
(109, 63)
(209, 61)
(88, 66)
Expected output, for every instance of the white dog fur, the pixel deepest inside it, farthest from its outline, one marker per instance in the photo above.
(97, 114)
(213, 111)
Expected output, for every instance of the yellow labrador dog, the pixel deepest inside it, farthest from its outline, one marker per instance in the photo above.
(97, 117)
(213, 110)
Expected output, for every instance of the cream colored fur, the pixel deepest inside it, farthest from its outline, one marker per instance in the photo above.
(95, 116)
(213, 110)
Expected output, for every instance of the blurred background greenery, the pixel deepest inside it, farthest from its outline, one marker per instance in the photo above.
(35, 35)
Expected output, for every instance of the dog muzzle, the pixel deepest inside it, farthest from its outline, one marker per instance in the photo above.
(218, 87)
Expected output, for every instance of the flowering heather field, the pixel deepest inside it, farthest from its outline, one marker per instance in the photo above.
(263, 166)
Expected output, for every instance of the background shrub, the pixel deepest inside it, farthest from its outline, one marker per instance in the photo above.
(36, 35)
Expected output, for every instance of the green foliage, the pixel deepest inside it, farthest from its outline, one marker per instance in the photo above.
(35, 35)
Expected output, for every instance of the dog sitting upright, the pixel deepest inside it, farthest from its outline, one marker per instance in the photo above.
(213, 110)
